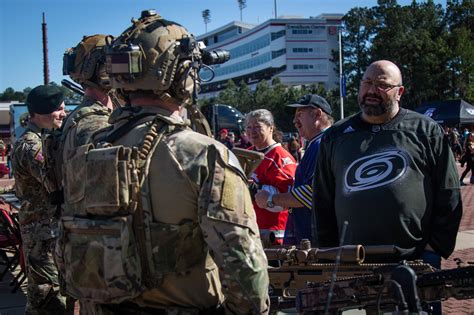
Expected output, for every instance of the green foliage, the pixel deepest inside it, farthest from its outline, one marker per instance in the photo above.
(229, 95)
(11, 95)
(273, 97)
(433, 47)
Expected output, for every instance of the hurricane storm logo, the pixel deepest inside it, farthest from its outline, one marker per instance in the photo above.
(375, 170)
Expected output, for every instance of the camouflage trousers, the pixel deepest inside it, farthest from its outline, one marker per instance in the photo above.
(43, 295)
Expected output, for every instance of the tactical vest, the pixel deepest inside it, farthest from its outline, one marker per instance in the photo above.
(55, 145)
(109, 248)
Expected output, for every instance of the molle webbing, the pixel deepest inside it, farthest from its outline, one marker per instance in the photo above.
(150, 141)
(122, 130)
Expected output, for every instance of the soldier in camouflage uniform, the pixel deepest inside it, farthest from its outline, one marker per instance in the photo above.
(207, 257)
(85, 64)
(37, 222)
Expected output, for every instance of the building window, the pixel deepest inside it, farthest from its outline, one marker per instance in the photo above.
(278, 53)
(244, 65)
(302, 32)
(279, 34)
(303, 67)
(251, 47)
(302, 50)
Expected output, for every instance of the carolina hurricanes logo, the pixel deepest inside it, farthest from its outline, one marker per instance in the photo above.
(375, 170)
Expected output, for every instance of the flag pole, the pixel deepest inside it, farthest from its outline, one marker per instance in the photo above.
(341, 78)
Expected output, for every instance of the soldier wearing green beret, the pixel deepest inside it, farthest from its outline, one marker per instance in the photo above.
(37, 223)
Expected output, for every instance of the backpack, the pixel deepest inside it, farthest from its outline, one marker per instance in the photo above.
(109, 250)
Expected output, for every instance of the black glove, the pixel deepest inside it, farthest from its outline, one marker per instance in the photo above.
(253, 188)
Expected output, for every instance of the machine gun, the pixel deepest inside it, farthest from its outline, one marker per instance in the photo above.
(303, 265)
(402, 291)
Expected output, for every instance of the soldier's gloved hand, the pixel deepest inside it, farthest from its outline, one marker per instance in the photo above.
(253, 187)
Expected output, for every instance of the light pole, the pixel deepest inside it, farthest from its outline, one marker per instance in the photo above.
(342, 83)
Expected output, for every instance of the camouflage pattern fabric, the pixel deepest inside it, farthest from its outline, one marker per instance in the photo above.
(194, 185)
(83, 122)
(78, 128)
(37, 225)
(43, 287)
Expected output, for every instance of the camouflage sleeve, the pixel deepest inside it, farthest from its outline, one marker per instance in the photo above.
(31, 158)
(229, 227)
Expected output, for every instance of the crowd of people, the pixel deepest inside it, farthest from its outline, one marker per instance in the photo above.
(462, 146)
(156, 218)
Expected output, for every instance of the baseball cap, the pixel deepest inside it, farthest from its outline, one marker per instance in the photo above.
(224, 131)
(313, 100)
(44, 99)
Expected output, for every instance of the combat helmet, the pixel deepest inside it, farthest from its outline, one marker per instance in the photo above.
(85, 63)
(158, 56)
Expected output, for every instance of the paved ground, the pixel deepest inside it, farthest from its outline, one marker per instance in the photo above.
(13, 304)
(464, 250)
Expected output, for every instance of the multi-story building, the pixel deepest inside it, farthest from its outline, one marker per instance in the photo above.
(297, 50)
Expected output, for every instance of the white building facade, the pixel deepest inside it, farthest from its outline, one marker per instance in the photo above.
(297, 50)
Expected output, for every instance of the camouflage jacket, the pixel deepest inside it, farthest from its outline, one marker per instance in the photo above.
(76, 130)
(82, 123)
(193, 178)
(36, 213)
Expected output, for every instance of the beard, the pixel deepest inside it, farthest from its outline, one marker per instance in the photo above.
(380, 109)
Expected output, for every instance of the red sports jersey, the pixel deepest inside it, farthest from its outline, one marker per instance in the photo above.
(278, 170)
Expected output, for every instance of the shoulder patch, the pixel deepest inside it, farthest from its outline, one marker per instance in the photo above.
(286, 161)
(39, 156)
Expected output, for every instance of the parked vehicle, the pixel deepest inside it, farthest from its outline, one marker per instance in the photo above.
(221, 116)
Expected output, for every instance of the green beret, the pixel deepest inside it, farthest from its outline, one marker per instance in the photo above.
(44, 99)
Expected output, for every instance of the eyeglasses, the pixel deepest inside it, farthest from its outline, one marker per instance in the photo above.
(381, 86)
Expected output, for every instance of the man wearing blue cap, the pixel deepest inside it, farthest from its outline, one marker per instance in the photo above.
(46, 108)
(312, 118)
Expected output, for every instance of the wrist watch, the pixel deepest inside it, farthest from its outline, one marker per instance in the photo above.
(270, 203)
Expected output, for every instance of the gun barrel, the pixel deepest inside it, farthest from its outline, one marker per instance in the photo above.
(372, 250)
(349, 254)
(73, 87)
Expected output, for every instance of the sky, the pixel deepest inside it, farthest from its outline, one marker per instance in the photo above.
(21, 54)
